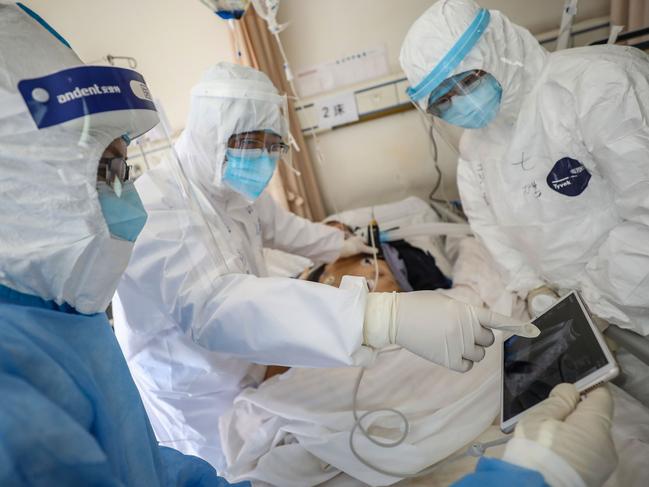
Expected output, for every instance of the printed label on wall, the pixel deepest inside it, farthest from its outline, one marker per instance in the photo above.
(337, 110)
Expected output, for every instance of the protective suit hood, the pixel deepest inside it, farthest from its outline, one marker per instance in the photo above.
(505, 50)
(230, 99)
(556, 185)
(54, 241)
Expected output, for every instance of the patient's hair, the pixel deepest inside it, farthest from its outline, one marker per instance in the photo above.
(349, 231)
(416, 266)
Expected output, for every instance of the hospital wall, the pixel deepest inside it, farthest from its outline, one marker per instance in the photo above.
(369, 163)
(173, 41)
(388, 158)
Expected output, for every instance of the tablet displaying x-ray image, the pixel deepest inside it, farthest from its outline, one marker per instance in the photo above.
(569, 349)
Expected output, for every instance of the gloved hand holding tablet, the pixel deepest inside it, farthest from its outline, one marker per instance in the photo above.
(569, 349)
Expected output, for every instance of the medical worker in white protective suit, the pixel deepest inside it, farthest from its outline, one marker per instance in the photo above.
(195, 313)
(554, 165)
(70, 414)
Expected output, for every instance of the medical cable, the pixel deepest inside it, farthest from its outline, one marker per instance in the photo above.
(476, 449)
(375, 258)
(267, 10)
(429, 125)
(432, 229)
(238, 53)
(434, 153)
(440, 176)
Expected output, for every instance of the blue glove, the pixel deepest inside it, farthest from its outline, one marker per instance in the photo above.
(491, 472)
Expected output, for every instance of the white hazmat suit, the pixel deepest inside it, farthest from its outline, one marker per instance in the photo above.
(194, 311)
(557, 185)
(185, 378)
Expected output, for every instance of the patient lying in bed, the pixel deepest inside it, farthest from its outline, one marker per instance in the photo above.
(294, 429)
(399, 267)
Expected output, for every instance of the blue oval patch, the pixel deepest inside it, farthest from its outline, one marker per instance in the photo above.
(568, 177)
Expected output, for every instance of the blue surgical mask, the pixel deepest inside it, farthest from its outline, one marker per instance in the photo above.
(476, 109)
(248, 171)
(125, 215)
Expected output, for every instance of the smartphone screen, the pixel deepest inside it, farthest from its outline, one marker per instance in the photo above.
(565, 351)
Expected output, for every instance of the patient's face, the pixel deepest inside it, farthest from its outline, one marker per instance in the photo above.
(363, 266)
(357, 265)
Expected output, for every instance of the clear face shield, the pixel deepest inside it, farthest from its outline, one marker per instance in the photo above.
(63, 140)
(248, 130)
(468, 100)
(251, 160)
(82, 111)
(235, 137)
(87, 115)
(84, 119)
(113, 171)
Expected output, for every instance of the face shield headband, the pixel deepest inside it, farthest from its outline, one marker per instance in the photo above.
(54, 131)
(75, 94)
(453, 57)
(251, 155)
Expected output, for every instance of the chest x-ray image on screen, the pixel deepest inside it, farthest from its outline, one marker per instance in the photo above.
(568, 350)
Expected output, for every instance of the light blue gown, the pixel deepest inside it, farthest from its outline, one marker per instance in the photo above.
(70, 413)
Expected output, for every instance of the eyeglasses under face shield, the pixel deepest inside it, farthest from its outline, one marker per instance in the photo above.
(112, 168)
(439, 81)
(462, 84)
(259, 141)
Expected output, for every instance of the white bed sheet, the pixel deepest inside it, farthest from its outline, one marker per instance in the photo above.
(293, 429)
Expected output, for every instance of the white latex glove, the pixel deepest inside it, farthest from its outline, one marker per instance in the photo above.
(567, 441)
(435, 327)
(356, 245)
(540, 299)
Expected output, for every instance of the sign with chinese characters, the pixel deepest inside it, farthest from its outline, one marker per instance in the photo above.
(348, 70)
(336, 110)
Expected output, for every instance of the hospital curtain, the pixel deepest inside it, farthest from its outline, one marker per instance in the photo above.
(259, 50)
(633, 14)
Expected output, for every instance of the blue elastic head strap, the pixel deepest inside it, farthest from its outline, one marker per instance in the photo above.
(235, 14)
(41, 21)
(453, 57)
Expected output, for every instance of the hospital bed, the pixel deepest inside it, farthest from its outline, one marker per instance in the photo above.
(293, 429)
(411, 214)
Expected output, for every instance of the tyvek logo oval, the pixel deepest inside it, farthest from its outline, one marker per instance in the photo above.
(568, 177)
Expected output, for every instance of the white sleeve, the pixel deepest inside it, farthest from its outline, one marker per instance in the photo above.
(173, 281)
(518, 275)
(616, 133)
(285, 321)
(286, 231)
